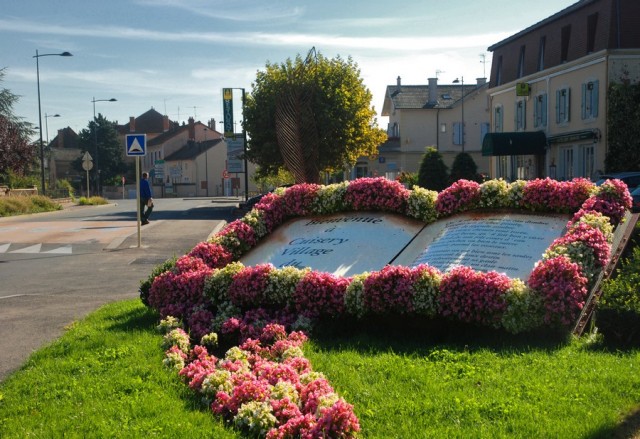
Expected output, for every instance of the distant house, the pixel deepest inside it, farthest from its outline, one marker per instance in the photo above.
(64, 150)
(151, 123)
(549, 86)
(452, 117)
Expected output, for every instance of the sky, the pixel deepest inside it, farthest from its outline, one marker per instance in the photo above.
(176, 55)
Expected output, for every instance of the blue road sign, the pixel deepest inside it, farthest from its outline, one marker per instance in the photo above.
(136, 144)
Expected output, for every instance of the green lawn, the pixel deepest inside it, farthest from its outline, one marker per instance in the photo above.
(104, 378)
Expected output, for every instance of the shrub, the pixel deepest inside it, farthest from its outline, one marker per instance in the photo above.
(433, 172)
(618, 313)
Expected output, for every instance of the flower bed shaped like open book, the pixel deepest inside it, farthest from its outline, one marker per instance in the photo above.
(209, 290)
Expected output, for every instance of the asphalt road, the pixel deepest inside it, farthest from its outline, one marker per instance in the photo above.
(57, 267)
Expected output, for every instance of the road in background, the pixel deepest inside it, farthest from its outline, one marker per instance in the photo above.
(57, 267)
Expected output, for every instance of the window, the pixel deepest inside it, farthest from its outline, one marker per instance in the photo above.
(484, 129)
(589, 105)
(520, 115)
(498, 119)
(543, 41)
(562, 105)
(592, 24)
(503, 167)
(566, 164)
(588, 160)
(565, 36)
(457, 133)
(393, 131)
(540, 111)
(361, 170)
(521, 63)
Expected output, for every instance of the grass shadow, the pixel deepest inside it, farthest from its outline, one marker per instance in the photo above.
(628, 428)
(419, 336)
(139, 318)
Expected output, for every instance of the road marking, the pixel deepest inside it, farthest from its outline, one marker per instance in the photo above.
(31, 249)
(4, 247)
(66, 250)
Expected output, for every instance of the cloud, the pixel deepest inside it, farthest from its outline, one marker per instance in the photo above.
(386, 44)
(240, 11)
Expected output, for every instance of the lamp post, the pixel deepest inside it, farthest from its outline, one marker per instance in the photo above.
(46, 125)
(95, 138)
(228, 126)
(37, 56)
(456, 81)
(206, 161)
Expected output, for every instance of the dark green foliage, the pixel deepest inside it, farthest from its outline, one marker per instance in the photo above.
(618, 313)
(623, 128)
(433, 172)
(463, 167)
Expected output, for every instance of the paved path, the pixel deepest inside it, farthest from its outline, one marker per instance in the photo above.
(41, 293)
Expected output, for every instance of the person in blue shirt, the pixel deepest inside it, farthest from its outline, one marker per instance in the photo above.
(146, 199)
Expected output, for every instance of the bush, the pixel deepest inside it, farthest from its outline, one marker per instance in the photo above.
(433, 172)
(92, 201)
(463, 168)
(618, 313)
(10, 206)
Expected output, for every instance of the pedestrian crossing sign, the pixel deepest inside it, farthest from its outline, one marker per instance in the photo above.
(136, 144)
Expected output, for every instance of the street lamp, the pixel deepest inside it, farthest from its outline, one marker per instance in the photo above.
(46, 123)
(37, 57)
(227, 125)
(95, 137)
(206, 161)
(456, 81)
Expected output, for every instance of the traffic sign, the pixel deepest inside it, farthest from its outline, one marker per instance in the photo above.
(136, 144)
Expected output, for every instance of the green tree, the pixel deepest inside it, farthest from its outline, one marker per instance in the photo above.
(623, 128)
(109, 155)
(17, 154)
(463, 167)
(433, 172)
(313, 113)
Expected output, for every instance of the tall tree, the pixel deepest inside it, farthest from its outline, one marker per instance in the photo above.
(310, 115)
(623, 128)
(100, 139)
(17, 155)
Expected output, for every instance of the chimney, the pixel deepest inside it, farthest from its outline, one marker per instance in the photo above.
(433, 91)
(192, 129)
(398, 83)
(481, 81)
(132, 124)
(165, 123)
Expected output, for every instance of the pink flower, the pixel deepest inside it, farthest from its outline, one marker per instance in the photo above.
(320, 294)
(563, 288)
(460, 196)
(377, 194)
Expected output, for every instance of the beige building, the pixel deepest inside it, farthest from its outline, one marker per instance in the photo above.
(548, 90)
(451, 117)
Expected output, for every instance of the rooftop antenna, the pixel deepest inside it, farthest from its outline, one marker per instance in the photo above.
(438, 72)
(195, 115)
(484, 64)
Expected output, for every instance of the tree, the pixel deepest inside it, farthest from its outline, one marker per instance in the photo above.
(433, 172)
(109, 155)
(623, 128)
(310, 115)
(17, 155)
(463, 167)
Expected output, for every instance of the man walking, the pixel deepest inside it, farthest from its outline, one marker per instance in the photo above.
(146, 199)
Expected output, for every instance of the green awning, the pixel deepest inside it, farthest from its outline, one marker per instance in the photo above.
(517, 143)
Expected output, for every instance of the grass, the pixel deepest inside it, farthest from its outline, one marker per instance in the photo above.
(92, 201)
(104, 378)
(10, 206)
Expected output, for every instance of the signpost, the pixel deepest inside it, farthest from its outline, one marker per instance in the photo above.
(136, 146)
(87, 165)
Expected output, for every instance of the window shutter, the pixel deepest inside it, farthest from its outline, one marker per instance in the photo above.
(543, 111)
(484, 129)
(557, 106)
(457, 137)
(583, 104)
(594, 99)
(568, 106)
